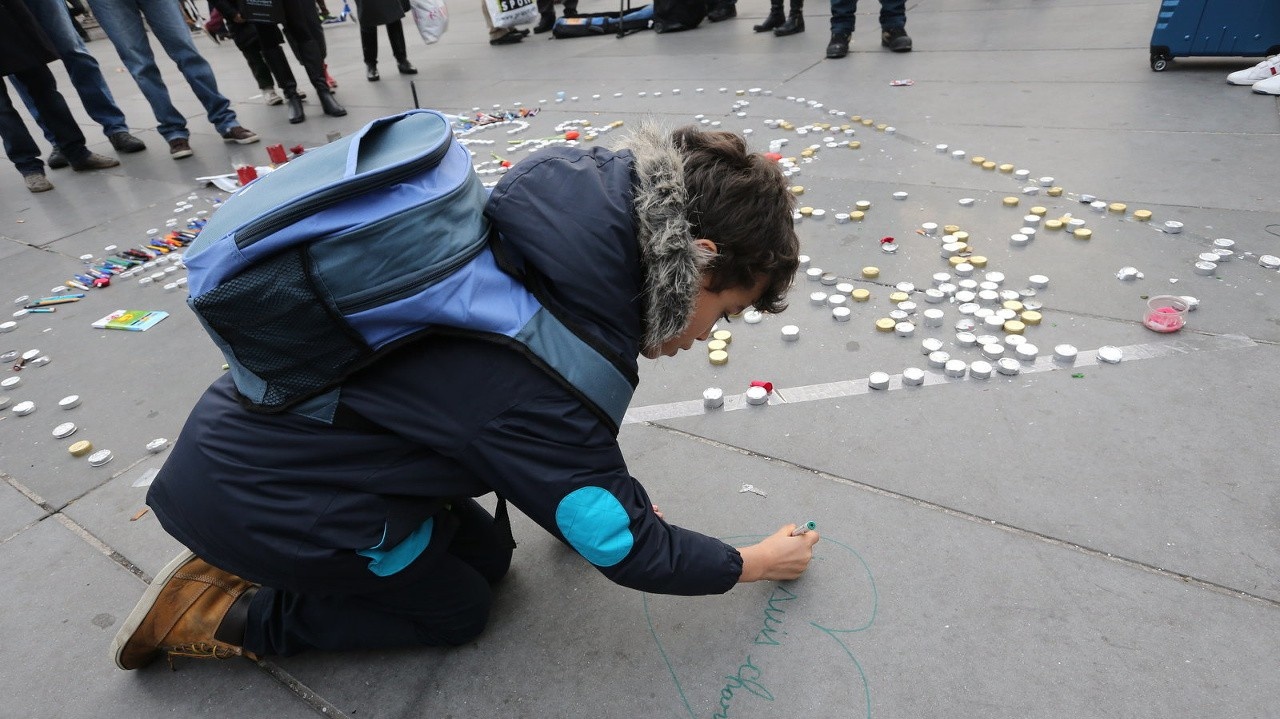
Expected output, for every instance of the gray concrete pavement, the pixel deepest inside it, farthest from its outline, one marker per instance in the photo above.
(1046, 545)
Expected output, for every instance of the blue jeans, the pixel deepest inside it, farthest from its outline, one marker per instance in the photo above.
(122, 21)
(18, 143)
(83, 68)
(893, 13)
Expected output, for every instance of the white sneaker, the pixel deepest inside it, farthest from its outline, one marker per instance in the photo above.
(271, 97)
(1263, 70)
(1270, 86)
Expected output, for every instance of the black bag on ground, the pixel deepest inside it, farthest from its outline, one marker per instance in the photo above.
(603, 23)
(677, 15)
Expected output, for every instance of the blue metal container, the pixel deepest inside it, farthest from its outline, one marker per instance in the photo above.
(1217, 28)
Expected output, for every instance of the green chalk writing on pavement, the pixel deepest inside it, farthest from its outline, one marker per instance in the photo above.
(749, 676)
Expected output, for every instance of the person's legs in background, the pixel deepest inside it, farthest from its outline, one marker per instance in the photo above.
(893, 25)
(42, 88)
(547, 12)
(722, 10)
(86, 78)
(501, 35)
(302, 29)
(121, 20)
(164, 18)
(20, 146)
(395, 34)
(369, 49)
(842, 21)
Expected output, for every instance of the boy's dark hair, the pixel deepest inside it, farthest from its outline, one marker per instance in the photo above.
(740, 201)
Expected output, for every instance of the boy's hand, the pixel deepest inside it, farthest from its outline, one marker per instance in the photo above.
(778, 556)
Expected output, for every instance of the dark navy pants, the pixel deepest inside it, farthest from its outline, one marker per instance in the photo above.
(20, 146)
(893, 13)
(447, 603)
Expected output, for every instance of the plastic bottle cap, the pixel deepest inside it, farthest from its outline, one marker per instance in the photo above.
(978, 261)
(966, 339)
(818, 298)
(716, 346)
(896, 297)
(870, 272)
(790, 333)
(24, 408)
(854, 144)
(81, 448)
(1083, 233)
(863, 205)
(933, 318)
(857, 215)
(71, 401)
(963, 268)
(797, 190)
(960, 236)
(837, 300)
(757, 396)
(930, 345)
(101, 457)
(718, 357)
(1117, 207)
(840, 314)
(1173, 227)
(913, 376)
(752, 317)
(64, 430)
(904, 329)
(10, 382)
(844, 288)
(899, 195)
(884, 324)
(977, 159)
(939, 359)
(1026, 351)
(862, 295)
(955, 368)
(1030, 317)
(1110, 354)
(1014, 305)
(966, 202)
(1142, 215)
(829, 279)
(724, 336)
(1014, 327)
(157, 445)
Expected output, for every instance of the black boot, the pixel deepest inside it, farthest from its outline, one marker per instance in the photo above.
(371, 72)
(547, 22)
(775, 19)
(328, 104)
(795, 21)
(405, 67)
(294, 102)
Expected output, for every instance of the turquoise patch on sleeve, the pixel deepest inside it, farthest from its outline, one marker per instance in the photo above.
(385, 562)
(594, 523)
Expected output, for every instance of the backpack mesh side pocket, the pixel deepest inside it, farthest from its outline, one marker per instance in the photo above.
(282, 329)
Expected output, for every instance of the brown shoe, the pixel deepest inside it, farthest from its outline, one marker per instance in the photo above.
(179, 148)
(240, 136)
(95, 162)
(37, 182)
(179, 615)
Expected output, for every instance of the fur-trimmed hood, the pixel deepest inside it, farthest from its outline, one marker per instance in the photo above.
(672, 263)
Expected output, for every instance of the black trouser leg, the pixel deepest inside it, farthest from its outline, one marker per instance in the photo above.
(446, 603)
(369, 44)
(54, 112)
(395, 33)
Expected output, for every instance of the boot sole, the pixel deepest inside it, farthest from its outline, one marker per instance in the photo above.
(134, 620)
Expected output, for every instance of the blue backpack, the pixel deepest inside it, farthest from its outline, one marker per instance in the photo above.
(318, 268)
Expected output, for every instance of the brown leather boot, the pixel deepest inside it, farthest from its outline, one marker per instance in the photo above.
(179, 615)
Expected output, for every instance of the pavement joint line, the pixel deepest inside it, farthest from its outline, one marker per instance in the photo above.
(29, 493)
(1013, 529)
(855, 387)
(101, 546)
(321, 705)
